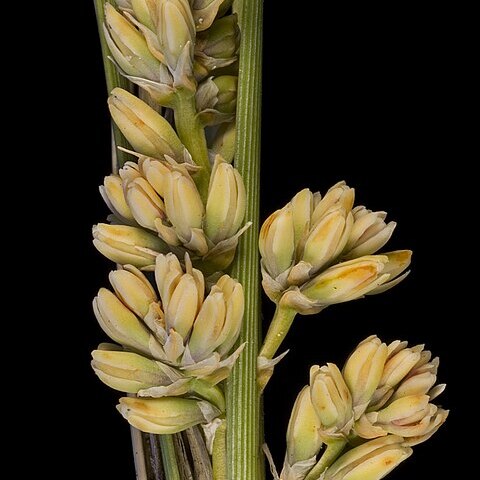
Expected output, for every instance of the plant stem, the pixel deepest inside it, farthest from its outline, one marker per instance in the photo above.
(169, 457)
(113, 79)
(244, 439)
(331, 453)
(219, 455)
(277, 331)
(138, 454)
(192, 134)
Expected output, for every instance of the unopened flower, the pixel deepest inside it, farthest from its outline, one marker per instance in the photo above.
(371, 461)
(125, 244)
(145, 129)
(363, 371)
(129, 372)
(303, 438)
(332, 401)
(128, 46)
(166, 415)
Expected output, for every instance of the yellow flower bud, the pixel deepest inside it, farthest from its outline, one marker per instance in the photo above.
(369, 233)
(146, 130)
(185, 211)
(303, 435)
(327, 240)
(413, 417)
(127, 245)
(129, 372)
(112, 194)
(277, 242)
(363, 371)
(331, 400)
(175, 29)
(133, 289)
(128, 47)
(226, 203)
(400, 362)
(218, 323)
(371, 461)
(166, 415)
(145, 204)
(347, 281)
(122, 326)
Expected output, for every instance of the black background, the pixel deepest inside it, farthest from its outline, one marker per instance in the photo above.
(361, 96)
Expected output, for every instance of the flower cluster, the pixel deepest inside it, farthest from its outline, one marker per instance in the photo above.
(321, 251)
(174, 342)
(376, 409)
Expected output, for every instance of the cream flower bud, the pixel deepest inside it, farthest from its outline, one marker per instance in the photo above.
(327, 240)
(277, 241)
(127, 245)
(413, 417)
(128, 47)
(133, 289)
(122, 326)
(129, 372)
(401, 360)
(303, 435)
(113, 195)
(218, 323)
(166, 415)
(175, 29)
(216, 99)
(146, 130)
(371, 461)
(347, 281)
(363, 371)
(185, 211)
(369, 233)
(226, 202)
(331, 400)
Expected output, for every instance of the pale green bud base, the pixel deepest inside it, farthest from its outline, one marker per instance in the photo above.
(332, 452)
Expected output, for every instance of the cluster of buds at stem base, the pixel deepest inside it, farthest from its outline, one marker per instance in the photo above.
(381, 404)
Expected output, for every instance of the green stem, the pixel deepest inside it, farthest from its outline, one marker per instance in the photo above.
(113, 79)
(192, 134)
(244, 437)
(219, 455)
(331, 453)
(169, 457)
(277, 331)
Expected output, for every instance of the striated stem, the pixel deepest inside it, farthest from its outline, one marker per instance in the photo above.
(169, 458)
(244, 438)
(113, 79)
(277, 331)
(192, 134)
